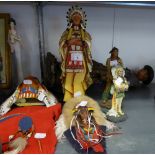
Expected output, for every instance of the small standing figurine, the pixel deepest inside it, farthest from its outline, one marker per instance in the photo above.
(114, 60)
(75, 50)
(15, 45)
(120, 85)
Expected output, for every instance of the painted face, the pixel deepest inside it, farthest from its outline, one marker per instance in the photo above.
(142, 74)
(114, 54)
(84, 113)
(120, 72)
(12, 25)
(76, 18)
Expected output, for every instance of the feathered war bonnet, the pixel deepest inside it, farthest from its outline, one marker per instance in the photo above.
(76, 9)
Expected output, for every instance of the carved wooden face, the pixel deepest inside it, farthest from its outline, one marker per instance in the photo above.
(82, 116)
(12, 25)
(84, 113)
(142, 74)
(114, 54)
(76, 19)
(120, 72)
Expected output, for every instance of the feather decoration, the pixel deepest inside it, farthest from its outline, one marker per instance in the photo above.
(60, 128)
(79, 10)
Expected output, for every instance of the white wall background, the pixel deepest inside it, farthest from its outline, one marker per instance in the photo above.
(27, 28)
(134, 33)
(135, 36)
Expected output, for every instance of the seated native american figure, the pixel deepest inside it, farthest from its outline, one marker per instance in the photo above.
(84, 124)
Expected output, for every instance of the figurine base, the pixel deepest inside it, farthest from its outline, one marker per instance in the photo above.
(117, 119)
(114, 119)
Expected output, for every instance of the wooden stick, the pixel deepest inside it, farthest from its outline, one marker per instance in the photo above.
(40, 146)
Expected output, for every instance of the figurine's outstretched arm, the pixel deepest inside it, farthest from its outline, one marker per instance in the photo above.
(6, 105)
(47, 97)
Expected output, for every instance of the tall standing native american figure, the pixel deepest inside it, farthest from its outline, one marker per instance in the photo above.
(75, 50)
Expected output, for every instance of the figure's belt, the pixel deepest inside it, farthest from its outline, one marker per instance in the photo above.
(74, 70)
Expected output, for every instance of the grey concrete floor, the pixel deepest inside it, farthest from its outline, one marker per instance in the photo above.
(138, 130)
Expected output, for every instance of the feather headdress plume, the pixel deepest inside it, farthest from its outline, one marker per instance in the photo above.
(76, 9)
